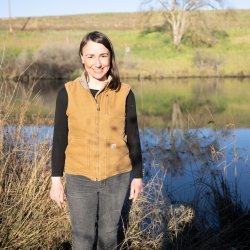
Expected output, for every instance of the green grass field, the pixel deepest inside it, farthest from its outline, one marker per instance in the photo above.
(151, 50)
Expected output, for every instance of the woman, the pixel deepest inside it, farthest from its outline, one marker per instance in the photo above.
(96, 143)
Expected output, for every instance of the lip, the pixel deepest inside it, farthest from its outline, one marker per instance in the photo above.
(98, 70)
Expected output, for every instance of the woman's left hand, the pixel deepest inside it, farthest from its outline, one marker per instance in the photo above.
(135, 189)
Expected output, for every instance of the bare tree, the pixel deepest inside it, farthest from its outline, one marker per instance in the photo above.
(177, 13)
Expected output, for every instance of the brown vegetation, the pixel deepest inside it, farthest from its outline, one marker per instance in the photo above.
(77, 22)
(113, 21)
(28, 218)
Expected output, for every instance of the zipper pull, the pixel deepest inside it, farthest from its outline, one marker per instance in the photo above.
(98, 107)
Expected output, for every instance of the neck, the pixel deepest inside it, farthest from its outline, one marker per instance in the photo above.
(96, 84)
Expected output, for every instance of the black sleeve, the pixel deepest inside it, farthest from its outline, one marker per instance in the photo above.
(133, 138)
(60, 136)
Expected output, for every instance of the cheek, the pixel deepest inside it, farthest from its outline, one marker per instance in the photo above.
(87, 64)
(107, 64)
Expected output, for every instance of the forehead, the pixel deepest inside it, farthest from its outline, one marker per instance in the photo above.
(94, 48)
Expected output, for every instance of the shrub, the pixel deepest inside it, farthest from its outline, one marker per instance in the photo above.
(48, 61)
(205, 60)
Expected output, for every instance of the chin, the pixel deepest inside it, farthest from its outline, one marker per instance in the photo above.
(102, 77)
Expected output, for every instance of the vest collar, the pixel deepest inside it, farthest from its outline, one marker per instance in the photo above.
(84, 83)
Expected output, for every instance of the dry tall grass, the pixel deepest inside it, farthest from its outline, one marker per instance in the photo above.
(29, 219)
(152, 221)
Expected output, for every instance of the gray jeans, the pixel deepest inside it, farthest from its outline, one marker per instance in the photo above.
(95, 201)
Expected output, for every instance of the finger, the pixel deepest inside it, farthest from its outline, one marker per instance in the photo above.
(131, 193)
(57, 200)
(135, 196)
(61, 197)
(137, 192)
(59, 204)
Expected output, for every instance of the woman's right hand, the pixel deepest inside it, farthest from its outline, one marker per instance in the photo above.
(57, 191)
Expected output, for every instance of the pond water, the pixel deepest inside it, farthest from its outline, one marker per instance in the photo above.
(188, 163)
(190, 129)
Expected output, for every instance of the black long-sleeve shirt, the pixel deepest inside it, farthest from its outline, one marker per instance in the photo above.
(60, 137)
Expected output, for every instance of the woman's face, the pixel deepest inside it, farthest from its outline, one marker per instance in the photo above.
(96, 59)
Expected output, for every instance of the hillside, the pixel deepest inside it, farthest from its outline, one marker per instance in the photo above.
(151, 51)
(119, 21)
(76, 22)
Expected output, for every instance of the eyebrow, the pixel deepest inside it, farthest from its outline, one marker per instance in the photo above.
(94, 54)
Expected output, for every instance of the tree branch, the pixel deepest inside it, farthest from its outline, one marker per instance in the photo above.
(164, 4)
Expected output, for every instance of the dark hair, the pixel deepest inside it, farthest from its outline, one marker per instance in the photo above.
(99, 37)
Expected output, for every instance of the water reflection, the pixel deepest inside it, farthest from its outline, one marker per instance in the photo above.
(187, 159)
(188, 128)
(200, 101)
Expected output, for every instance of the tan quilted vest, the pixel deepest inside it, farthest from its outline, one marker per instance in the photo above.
(97, 145)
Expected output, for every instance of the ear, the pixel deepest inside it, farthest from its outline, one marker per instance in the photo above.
(82, 59)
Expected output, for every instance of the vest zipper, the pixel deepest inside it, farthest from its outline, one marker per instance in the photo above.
(97, 139)
(107, 104)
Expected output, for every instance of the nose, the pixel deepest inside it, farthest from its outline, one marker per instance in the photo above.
(98, 62)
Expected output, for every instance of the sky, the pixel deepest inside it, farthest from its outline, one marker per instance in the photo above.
(31, 8)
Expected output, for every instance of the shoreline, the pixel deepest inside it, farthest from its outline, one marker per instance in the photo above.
(138, 77)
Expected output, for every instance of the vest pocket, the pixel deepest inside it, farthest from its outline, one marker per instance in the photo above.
(77, 154)
(116, 150)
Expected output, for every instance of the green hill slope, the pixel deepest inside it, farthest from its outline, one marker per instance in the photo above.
(151, 51)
